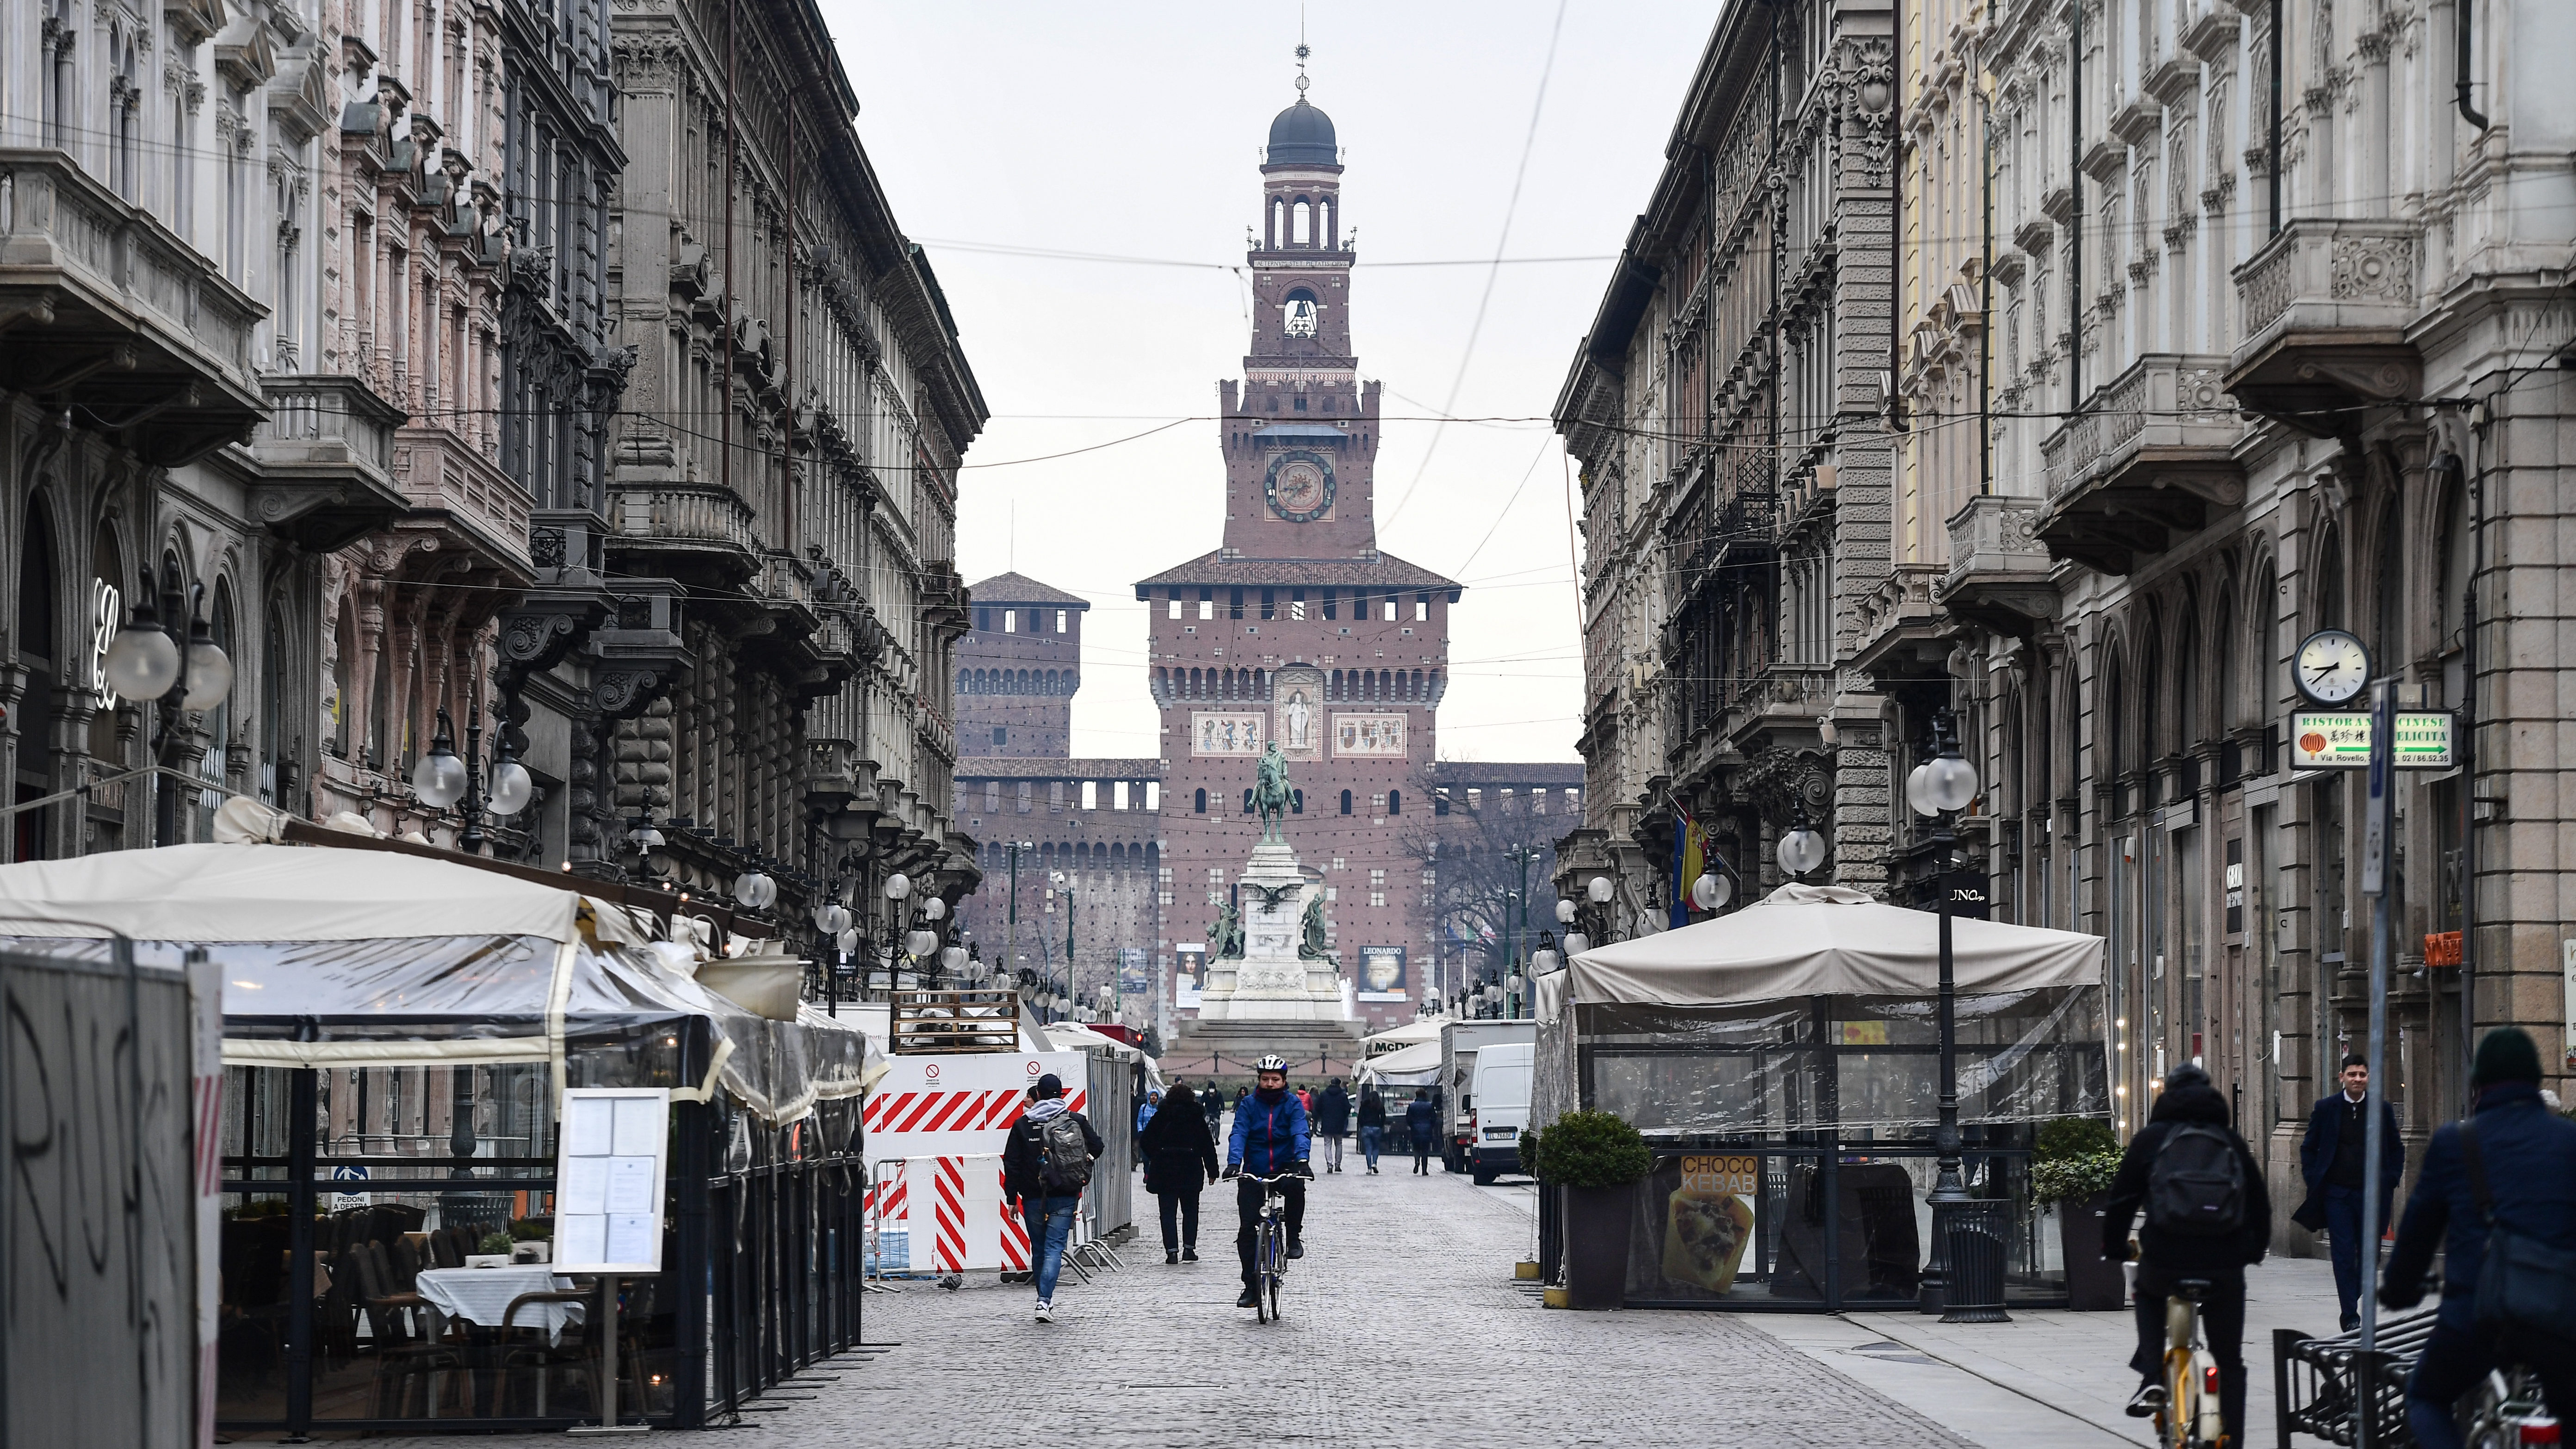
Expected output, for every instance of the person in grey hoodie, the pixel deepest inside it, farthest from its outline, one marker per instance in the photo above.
(1047, 1201)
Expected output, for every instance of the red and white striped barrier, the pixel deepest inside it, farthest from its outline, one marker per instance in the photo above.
(936, 1126)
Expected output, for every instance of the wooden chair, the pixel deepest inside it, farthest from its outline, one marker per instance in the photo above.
(400, 1359)
(577, 1355)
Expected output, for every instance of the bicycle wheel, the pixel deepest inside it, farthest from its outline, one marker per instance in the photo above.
(1264, 1245)
(1275, 1314)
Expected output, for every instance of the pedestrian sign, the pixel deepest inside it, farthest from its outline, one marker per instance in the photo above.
(2340, 740)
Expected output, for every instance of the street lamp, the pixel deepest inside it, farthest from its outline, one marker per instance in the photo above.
(510, 791)
(1937, 790)
(145, 662)
(1801, 850)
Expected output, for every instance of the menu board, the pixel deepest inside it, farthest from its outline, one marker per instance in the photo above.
(610, 1158)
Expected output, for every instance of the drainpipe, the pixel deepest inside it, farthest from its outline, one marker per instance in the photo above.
(2272, 165)
(1986, 298)
(2075, 194)
(2461, 11)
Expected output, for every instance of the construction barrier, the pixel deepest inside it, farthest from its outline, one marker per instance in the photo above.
(936, 1126)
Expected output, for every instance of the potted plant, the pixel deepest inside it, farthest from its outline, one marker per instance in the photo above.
(2071, 1175)
(1595, 1159)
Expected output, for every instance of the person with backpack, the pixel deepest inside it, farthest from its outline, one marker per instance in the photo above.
(1333, 1122)
(1270, 1138)
(2497, 1193)
(1046, 1163)
(1180, 1159)
(1372, 1126)
(2331, 1158)
(2207, 1217)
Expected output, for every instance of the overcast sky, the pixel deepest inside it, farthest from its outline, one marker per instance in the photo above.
(1134, 130)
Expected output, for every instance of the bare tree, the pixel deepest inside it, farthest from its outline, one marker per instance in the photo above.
(1471, 847)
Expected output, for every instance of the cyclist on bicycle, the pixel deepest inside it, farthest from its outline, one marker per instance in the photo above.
(1270, 1138)
(2208, 1219)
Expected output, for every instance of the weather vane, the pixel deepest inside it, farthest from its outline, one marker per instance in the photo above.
(1302, 52)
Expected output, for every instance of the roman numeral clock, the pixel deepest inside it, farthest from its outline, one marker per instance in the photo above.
(1300, 486)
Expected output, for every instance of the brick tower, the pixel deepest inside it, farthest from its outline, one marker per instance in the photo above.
(1017, 670)
(1299, 628)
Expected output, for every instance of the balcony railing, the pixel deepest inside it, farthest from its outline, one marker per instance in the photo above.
(2327, 304)
(2148, 458)
(683, 514)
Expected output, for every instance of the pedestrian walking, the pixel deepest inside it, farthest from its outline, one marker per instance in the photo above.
(1333, 1122)
(1306, 1099)
(1046, 1163)
(1145, 1111)
(1180, 1159)
(2332, 1157)
(2502, 1184)
(2208, 1217)
(1213, 1101)
(1372, 1126)
(1422, 1120)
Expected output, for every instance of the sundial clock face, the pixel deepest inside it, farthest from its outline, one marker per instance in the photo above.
(1300, 486)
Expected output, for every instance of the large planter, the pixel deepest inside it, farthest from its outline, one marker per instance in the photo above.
(2094, 1284)
(1598, 1223)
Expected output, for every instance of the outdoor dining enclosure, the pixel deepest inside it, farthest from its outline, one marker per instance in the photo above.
(1783, 1064)
(397, 1033)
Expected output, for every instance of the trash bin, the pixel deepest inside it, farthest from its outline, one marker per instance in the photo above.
(1974, 1233)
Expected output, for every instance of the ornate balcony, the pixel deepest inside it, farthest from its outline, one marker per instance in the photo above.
(1999, 569)
(686, 527)
(2326, 307)
(458, 493)
(2151, 456)
(325, 456)
(106, 309)
(1899, 627)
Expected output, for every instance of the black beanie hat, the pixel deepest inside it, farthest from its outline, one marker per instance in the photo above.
(1050, 1085)
(2506, 1054)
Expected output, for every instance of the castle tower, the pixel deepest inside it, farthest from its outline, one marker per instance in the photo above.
(1017, 669)
(1298, 628)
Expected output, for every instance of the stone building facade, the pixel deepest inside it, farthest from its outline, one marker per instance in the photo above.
(358, 368)
(1745, 626)
(2190, 361)
(2260, 369)
(786, 458)
(1018, 668)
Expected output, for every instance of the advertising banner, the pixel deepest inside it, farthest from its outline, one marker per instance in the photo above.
(1708, 1219)
(1135, 973)
(1382, 974)
(1189, 975)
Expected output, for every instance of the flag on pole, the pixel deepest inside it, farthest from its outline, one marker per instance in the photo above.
(1689, 859)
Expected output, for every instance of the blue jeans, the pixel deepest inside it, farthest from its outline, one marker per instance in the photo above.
(2343, 1239)
(1050, 1224)
(1371, 1140)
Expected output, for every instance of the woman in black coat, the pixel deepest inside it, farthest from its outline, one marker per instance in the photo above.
(1178, 1149)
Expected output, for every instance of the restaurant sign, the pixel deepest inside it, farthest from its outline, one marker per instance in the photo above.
(2336, 740)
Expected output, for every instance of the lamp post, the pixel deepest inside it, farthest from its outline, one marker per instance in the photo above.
(1524, 856)
(149, 661)
(1801, 850)
(1011, 937)
(1937, 790)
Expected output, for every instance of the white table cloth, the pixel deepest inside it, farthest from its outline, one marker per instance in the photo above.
(482, 1295)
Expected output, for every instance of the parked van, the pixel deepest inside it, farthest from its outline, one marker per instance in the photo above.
(1502, 1109)
(1459, 1042)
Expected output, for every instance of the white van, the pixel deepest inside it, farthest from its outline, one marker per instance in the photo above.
(1501, 1098)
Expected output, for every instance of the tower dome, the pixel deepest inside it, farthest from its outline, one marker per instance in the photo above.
(1302, 134)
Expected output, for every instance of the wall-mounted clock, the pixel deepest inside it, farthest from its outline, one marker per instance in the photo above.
(2331, 667)
(1300, 485)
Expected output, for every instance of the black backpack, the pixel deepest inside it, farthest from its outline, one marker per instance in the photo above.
(2196, 1186)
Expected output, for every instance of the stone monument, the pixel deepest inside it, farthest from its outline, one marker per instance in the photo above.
(1271, 981)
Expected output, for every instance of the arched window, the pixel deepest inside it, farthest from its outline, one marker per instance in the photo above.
(1346, 802)
(1247, 800)
(1301, 223)
(1296, 802)
(1199, 806)
(1395, 802)
(1298, 313)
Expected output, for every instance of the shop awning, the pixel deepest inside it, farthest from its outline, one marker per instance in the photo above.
(1415, 1066)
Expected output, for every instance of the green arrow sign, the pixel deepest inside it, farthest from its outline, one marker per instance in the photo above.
(2334, 740)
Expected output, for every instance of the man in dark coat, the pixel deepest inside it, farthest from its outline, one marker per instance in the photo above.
(1422, 1120)
(2332, 1157)
(1047, 1201)
(2527, 1156)
(1180, 1158)
(2166, 1258)
(1333, 1122)
(1213, 1101)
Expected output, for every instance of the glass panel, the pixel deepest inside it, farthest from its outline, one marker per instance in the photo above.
(251, 1350)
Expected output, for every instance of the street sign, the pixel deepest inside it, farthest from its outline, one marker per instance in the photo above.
(2340, 740)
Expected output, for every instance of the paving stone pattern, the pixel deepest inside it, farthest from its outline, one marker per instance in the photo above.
(1403, 1326)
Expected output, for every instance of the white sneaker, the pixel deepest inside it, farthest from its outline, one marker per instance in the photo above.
(1046, 1311)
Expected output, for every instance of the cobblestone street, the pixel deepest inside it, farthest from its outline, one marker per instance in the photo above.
(1403, 1326)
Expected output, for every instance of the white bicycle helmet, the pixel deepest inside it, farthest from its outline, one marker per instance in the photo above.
(1271, 1063)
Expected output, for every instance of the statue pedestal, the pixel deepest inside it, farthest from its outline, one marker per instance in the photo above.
(1270, 981)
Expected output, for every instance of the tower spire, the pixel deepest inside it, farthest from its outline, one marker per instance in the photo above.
(1302, 52)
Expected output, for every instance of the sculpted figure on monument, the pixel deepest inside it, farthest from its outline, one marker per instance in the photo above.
(1271, 795)
(1225, 934)
(1312, 948)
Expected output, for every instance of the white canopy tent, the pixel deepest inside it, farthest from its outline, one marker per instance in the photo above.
(1396, 1038)
(1804, 940)
(1417, 1065)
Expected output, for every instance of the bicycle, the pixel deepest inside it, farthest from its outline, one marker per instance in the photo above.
(2190, 1417)
(1269, 1247)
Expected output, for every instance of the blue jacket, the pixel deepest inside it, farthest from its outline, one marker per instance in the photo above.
(1268, 1137)
(2317, 1155)
(2530, 1158)
(1145, 1113)
(1422, 1119)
